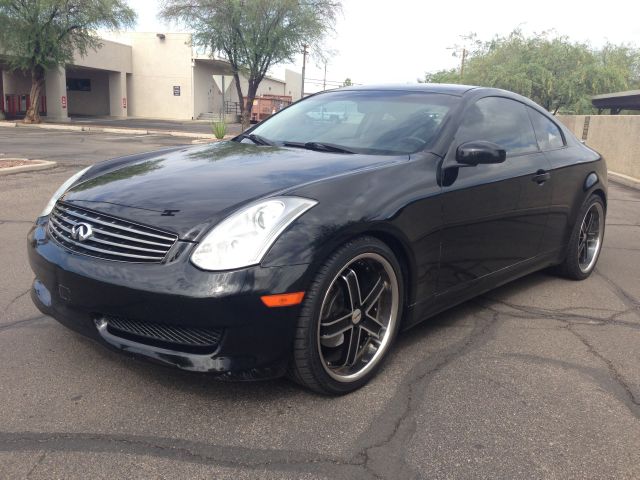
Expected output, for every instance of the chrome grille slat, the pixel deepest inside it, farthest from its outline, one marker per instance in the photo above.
(84, 245)
(185, 336)
(108, 224)
(102, 231)
(104, 243)
(101, 250)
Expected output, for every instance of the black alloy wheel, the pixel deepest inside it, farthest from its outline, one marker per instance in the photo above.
(586, 240)
(349, 318)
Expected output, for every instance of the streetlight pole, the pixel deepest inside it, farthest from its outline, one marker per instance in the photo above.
(304, 64)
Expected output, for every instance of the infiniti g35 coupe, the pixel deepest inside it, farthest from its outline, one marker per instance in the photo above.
(304, 245)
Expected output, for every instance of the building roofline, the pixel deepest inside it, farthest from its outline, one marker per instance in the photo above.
(618, 101)
(628, 93)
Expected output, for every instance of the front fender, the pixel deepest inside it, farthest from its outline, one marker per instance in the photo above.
(400, 204)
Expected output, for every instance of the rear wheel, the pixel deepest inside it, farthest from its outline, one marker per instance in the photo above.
(349, 318)
(585, 243)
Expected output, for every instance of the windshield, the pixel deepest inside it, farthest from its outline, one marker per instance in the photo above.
(367, 121)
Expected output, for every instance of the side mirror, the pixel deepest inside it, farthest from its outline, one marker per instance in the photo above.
(480, 152)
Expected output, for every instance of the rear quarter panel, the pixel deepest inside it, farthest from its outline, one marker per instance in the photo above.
(571, 167)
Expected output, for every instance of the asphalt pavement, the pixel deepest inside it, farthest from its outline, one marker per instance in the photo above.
(537, 379)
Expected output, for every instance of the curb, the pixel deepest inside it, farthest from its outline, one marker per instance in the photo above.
(129, 131)
(185, 134)
(625, 180)
(125, 131)
(198, 141)
(40, 165)
(52, 126)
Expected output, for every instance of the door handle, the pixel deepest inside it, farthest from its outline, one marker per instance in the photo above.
(541, 176)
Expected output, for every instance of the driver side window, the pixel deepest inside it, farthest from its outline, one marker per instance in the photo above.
(501, 121)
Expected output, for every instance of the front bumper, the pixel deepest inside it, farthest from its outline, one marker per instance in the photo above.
(81, 291)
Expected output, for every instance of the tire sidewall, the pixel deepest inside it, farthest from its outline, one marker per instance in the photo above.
(572, 266)
(335, 264)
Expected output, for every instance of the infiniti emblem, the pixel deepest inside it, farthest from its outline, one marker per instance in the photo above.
(81, 231)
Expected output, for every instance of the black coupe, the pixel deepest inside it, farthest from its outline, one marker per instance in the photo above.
(304, 245)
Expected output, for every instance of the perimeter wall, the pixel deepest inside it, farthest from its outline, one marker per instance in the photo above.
(616, 137)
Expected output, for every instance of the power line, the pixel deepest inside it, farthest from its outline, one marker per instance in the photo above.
(335, 85)
(321, 80)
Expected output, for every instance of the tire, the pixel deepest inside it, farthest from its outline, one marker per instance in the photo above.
(354, 304)
(582, 257)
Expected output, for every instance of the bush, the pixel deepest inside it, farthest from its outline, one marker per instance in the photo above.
(219, 129)
(2, 117)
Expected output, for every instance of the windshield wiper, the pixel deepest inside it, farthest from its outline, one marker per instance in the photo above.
(257, 139)
(319, 147)
(327, 147)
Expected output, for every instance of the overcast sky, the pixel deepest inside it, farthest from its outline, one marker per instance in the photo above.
(397, 41)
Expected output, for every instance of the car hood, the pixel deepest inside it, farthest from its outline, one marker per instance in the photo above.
(185, 191)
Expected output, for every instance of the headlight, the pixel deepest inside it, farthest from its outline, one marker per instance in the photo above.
(244, 238)
(60, 191)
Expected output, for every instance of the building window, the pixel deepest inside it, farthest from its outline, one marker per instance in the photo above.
(78, 84)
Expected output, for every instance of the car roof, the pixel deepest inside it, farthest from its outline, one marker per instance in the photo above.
(443, 88)
(446, 88)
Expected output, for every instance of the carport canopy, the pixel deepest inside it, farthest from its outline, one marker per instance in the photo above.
(616, 102)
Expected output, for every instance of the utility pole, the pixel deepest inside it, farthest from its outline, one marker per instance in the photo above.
(462, 51)
(304, 64)
(224, 110)
(324, 81)
(464, 57)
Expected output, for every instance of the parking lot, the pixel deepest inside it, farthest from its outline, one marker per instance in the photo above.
(537, 379)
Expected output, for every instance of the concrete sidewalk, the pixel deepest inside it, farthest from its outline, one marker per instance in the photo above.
(196, 129)
(190, 126)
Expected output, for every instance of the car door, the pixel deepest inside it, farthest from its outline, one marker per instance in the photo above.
(563, 175)
(494, 215)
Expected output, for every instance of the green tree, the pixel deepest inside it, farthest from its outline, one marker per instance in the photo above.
(442, 76)
(254, 35)
(555, 72)
(347, 82)
(38, 35)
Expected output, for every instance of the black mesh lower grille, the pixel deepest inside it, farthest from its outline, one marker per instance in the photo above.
(170, 334)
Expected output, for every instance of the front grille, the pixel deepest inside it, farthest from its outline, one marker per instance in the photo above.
(171, 334)
(112, 238)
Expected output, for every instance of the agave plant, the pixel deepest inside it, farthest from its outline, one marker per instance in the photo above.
(219, 129)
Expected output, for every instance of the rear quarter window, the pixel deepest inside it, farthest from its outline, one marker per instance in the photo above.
(548, 134)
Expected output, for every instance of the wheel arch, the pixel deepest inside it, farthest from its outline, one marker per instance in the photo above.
(404, 256)
(600, 193)
(593, 186)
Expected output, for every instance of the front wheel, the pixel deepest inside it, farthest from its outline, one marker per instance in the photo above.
(586, 239)
(349, 318)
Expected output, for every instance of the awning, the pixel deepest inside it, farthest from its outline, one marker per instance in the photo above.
(629, 100)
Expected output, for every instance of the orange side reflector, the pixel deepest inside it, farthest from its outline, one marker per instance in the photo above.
(282, 299)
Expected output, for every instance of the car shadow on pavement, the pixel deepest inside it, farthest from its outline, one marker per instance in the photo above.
(468, 316)
(467, 312)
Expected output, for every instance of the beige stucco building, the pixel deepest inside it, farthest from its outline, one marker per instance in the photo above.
(151, 75)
